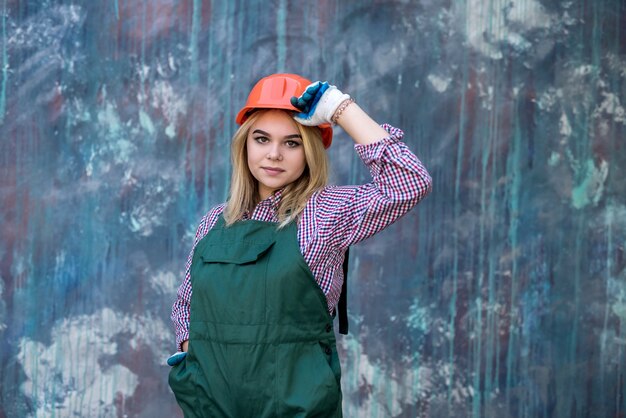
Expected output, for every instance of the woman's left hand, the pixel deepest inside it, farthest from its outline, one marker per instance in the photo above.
(318, 103)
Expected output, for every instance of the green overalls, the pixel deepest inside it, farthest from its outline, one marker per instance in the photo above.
(261, 340)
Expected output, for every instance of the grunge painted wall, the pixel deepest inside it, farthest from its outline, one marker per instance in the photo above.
(502, 295)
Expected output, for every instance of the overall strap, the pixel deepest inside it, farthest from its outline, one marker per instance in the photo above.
(342, 306)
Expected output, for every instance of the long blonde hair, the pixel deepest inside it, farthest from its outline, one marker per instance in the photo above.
(244, 190)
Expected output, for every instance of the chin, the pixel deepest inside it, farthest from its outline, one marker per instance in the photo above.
(276, 186)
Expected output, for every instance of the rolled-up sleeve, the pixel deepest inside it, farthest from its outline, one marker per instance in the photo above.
(350, 214)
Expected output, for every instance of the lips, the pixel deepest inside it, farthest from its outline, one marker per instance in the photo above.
(273, 170)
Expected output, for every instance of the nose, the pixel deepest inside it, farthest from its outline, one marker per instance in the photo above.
(274, 153)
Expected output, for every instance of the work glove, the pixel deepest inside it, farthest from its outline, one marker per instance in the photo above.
(318, 103)
(176, 358)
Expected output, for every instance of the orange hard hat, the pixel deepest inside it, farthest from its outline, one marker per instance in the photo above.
(275, 92)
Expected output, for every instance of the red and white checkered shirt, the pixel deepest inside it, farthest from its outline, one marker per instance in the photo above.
(335, 217)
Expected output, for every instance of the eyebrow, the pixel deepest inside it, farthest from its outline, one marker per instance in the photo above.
(259, 131)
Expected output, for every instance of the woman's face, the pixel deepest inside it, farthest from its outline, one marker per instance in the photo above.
(275, 151)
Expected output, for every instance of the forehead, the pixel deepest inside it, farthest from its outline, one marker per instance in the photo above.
(275, 122)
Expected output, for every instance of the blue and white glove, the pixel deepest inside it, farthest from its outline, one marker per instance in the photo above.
(176, 358)
(318, 103)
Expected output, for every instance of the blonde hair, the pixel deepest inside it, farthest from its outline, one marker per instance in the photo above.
(244, 190)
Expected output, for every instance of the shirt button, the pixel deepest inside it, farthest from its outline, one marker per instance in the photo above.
(328, 351)
(329, 328)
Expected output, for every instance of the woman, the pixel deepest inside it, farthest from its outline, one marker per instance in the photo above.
(257, 339)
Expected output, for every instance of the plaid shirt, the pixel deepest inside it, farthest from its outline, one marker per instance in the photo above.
(334, 217)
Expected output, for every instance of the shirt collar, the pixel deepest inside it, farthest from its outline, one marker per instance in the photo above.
(272, 200)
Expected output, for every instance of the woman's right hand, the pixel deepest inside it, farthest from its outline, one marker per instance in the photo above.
(176, 358)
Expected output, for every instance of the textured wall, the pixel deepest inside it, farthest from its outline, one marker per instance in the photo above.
(502, 295)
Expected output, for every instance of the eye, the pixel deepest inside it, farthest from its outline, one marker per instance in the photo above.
(292, 144)
(261, 139)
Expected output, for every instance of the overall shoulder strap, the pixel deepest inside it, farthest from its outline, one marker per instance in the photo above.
(342, 306)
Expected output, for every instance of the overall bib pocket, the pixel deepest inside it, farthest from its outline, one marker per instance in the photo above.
(236, 273)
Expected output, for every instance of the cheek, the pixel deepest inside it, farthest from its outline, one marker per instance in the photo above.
(301, 162)
(250, 158)
(250, 152)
